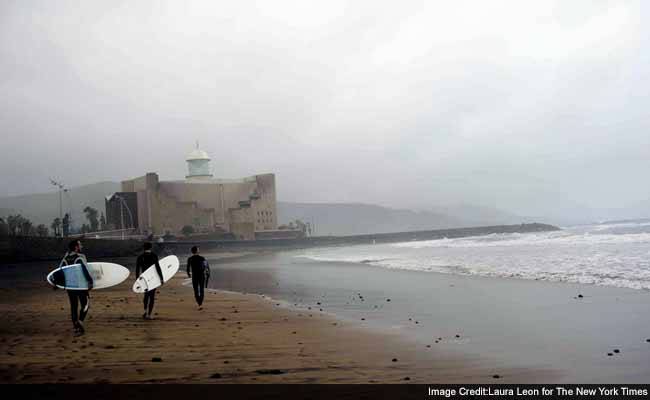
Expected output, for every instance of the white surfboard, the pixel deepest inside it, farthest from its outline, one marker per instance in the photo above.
(104, 275)
(150, 280)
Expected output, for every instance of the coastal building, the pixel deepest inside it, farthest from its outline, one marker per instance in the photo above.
(244, 208)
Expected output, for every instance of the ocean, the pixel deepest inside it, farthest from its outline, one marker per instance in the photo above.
(559, 301)
(606, 254)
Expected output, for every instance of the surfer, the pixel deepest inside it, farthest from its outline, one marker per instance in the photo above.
(78, 297)
(199, 271)
(144, 261)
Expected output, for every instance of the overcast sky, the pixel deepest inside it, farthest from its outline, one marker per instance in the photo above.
(522, 105)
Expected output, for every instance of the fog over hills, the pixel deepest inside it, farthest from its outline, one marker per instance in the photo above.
(42, 208)
(328, 218)
(353, 218)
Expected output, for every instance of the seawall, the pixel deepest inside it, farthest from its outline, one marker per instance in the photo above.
(16, 249)
(319, 241)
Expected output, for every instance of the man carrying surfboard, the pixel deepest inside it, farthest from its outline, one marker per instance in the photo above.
(78, 297)
(144, 261)
(199, 271)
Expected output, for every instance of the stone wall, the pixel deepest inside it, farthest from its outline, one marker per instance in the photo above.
(33, 248)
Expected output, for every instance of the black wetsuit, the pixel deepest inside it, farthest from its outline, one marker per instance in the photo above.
(78, 296)
(197, 265)
(144, 261)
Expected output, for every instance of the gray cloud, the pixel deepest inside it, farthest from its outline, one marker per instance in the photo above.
(534, 107)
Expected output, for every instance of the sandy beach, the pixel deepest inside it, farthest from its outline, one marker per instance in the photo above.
(237, 338)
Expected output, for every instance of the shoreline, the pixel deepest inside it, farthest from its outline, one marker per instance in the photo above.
(238, 338)
(503, 323)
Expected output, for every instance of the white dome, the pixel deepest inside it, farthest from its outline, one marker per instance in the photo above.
(198, 154)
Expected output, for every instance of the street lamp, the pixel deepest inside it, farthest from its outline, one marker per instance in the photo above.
(61, 188)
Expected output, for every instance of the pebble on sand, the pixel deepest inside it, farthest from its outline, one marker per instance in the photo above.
(495, 376)
(215, 376)
(269, 371)
(156, 359)
(387, 299)
(580, 296)
(617, 351)
(610, 354)
(394, 359)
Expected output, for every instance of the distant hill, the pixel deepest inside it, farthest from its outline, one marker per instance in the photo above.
(328, 218)
(354, 218)
(42, 208)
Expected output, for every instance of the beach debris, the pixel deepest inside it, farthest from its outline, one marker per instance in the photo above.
(417, 322)
(617, 351)
(226, 362)
(318, 303)
(457, 336)
(216, 375)
(110, 347)
(407, 378)
(223, 319)
(293, 333)
(580, 296)
(363, 319)
(270, 372)
(610, 354)
(156, 359)
(647, 340)
(394, 359)
(495, 376)
(387, 299)
(428, 346)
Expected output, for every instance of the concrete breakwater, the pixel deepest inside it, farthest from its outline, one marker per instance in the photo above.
(318, 241)
(16, 249)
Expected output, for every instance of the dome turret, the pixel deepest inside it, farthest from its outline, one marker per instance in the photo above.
(198, 164)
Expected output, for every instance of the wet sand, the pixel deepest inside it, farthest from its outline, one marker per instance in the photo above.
(582, 333)
(237, 338)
